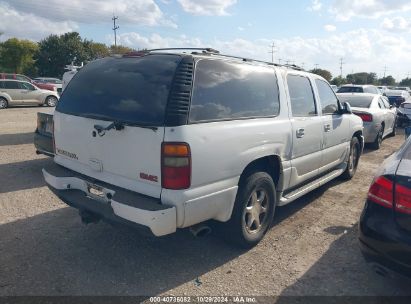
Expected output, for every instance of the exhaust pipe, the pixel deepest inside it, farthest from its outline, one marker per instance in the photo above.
(200, 230)
(88, 217)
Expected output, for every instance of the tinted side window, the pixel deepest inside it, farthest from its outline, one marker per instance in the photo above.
(329, 101)
(1, 84)
(11, 85)
(26, 86)
(226, 90)
(301, 96)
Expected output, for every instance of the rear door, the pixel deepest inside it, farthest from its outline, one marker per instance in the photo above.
(133, 93)
(12, 88)
(306, 129)
(335, 127)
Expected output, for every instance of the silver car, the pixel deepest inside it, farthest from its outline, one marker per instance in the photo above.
(378, 116)
(16, 92)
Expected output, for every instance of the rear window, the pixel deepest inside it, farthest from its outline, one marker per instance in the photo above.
(351, 90)
(358, 101)
(128, 90)
(227, 90)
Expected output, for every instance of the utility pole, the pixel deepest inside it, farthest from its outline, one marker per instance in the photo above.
(341, 66)
(316, 66)
(115, 28)
(385, 70)
(273, 50)
(279, 60)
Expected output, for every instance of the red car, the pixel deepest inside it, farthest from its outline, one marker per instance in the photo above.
(44, 86)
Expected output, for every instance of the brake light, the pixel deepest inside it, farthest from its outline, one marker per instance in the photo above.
(364, 117)
(381, 192)
(175, 166)
(402, 199)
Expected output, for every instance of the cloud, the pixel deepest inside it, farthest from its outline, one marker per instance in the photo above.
(362, 49)
(316, 5)
(396, 24)
(240, 28)
(29, 26)
(138, 12)
(344, 10)
(330, 28)
(207, 7)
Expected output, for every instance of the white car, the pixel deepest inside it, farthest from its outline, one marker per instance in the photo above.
(16, 92)
(169, 140)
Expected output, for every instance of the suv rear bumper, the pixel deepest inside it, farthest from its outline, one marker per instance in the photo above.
(114, 203)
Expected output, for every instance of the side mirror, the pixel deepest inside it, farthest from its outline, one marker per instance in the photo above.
(346, 108)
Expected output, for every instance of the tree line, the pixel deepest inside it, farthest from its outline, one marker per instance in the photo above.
(50, 56)
(361, 78)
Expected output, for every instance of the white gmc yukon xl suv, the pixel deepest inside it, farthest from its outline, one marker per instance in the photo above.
(168, 139)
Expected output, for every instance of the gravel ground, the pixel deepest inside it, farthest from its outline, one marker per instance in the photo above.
(45, 250)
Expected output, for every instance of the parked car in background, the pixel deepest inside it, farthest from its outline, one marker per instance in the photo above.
(49, 80)
(383, 89)
(71, 71)
(352, 88)
(397, 97)
(44, 86)
(404, 114)
(379, 118)
(153, 141)
(385, 223)
(43, 135)
(15, 92)
(407, 89)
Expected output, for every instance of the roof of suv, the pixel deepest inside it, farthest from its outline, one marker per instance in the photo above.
(207, 52)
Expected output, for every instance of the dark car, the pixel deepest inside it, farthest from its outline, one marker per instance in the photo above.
(43, 136)
(385, 224)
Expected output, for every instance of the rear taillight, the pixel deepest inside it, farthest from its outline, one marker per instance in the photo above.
(381, 192)
(364, 117)
(175, 166)
(402, 199)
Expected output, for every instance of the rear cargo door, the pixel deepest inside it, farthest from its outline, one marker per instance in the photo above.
(109, 123)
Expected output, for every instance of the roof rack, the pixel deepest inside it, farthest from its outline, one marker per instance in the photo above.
(212, 52)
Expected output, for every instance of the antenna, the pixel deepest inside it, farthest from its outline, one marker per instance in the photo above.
(115, 28)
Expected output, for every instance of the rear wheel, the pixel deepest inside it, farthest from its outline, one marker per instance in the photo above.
(354, 157)
(378, 140)
(253, 210)
(3, 103)
(51, 101)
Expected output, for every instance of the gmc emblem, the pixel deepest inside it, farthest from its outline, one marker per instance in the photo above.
(151, 178)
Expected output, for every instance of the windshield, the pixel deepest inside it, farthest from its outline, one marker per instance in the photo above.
(129, 90)
(350, 90)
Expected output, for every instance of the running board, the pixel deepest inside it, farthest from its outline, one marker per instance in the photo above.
(297, 193)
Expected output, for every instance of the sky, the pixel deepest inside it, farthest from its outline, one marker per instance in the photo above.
(369, 35)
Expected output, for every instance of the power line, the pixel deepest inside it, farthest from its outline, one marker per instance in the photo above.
(115, 28)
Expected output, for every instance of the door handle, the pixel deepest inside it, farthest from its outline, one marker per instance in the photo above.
(327, 128)
(300, 133)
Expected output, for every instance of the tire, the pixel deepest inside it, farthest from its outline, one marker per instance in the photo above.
(3, 103)
(394, 129)
(353, 159)
(378, 140)
(253, 211)
(51, 101)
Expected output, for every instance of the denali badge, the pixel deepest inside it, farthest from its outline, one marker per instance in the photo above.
(151, 178)
(65, 153)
